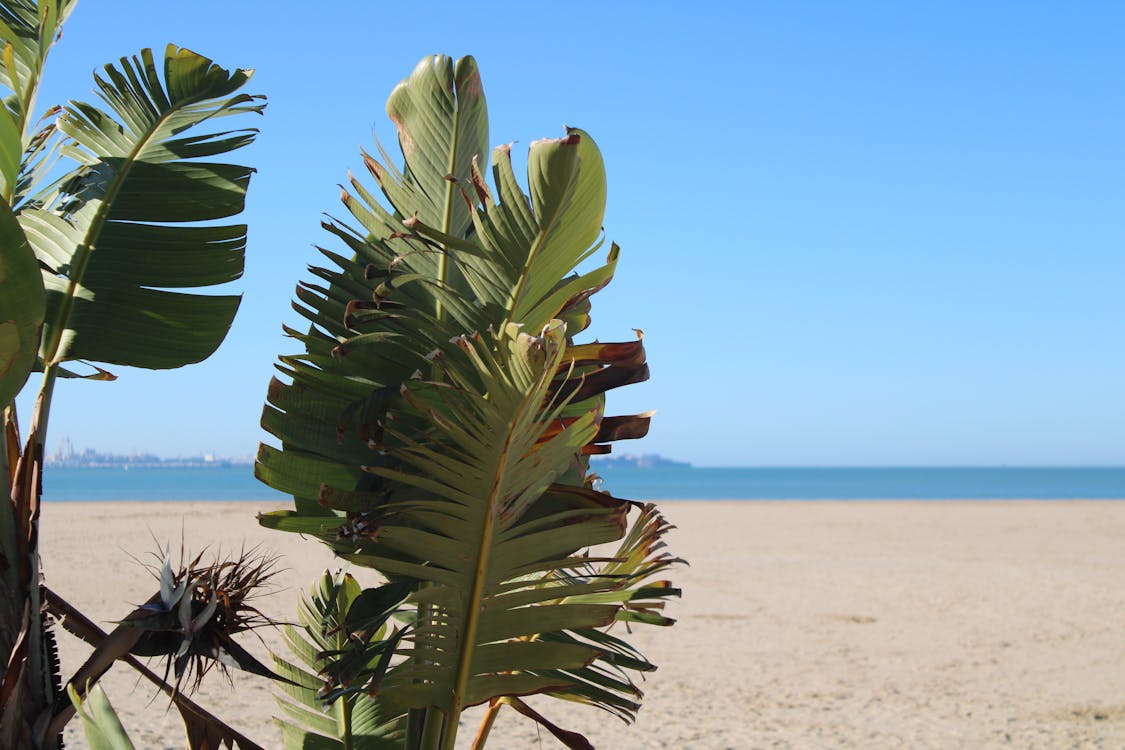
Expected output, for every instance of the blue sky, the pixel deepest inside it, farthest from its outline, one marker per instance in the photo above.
(854, 233)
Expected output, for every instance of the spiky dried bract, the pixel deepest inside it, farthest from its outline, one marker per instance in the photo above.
(193, 618)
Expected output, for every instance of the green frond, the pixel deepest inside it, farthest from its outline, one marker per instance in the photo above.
(119, 233)
(354, 719)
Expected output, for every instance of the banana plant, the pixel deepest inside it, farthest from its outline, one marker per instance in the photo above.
(437, 426)
(104, 209)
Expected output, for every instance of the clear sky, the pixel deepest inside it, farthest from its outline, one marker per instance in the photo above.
(853, 233)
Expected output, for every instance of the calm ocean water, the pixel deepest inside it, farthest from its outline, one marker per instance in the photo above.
(238, 483)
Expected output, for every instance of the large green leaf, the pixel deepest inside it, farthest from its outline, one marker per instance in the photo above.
(470, 541)
(467, 539)
(27, 32)
(525, 246)
(630, 573)
(442, 126)
(474, 513)
(123, 229)
(21, 306)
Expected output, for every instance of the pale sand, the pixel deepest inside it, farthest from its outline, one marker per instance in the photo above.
(804, 625)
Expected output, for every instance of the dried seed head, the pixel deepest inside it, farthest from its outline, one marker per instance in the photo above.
(192, 619)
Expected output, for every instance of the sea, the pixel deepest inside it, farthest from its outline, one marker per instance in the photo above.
(237, 482)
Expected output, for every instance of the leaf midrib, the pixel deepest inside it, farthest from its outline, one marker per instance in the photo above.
(541, 239)
(447, 209)
(476, 595)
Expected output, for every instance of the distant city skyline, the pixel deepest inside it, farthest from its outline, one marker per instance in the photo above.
(67, 455)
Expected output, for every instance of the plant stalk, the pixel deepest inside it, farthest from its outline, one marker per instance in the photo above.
(415, 720)
(7, 467)
(435, 728)
(486, 724)
(115, 646)
(26, 497)
(345, 708)
(8, 417)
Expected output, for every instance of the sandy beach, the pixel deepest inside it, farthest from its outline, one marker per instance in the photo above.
(803, 624)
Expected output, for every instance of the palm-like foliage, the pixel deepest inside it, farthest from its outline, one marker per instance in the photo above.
(113, 235)
(337, 632)
(87, 265)
(437, 425)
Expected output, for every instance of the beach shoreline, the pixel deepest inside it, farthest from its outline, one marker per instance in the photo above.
(843, 623)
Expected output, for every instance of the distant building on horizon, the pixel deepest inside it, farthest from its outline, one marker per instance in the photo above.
(64, 453)
(633, 461)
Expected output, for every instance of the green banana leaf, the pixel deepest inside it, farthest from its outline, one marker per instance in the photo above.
(22, 306)
(123, 230)
(27, 31)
